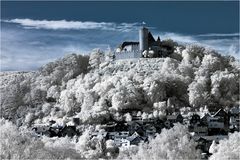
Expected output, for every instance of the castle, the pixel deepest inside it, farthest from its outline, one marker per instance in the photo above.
(147, 47)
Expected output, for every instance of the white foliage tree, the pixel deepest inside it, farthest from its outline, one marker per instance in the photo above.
(227, 148)
(96, 58)
(198, 92)
(170, 144)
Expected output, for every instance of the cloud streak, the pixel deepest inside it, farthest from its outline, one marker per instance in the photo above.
(27, 49)
(219, 35)
(72, 25)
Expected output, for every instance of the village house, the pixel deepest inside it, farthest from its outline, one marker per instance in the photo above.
(203, 144)
(175, 118)
(150, 130)
(69, 131)
(216, 124)
(136, 126)
(200, 130)
(135, 139)
(223, 116)
(123, 139)
(122, 142)
(204, 119)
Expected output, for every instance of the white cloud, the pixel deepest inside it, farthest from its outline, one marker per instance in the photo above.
(23, 49)
(178, 37)
(73, 25)
(219, 35)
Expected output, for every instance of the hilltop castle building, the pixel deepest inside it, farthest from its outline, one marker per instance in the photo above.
(147, 47)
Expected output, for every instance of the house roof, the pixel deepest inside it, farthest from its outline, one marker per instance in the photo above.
(150, 38)
(173, 116)
(205, 116)
(126, 43)
(134, 136)
(220, 110)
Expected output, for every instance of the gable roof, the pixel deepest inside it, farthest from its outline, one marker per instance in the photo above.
(220, 110)
(205, 116)
(126, 43)
(173, 116)
(134, 136)
(150, 38)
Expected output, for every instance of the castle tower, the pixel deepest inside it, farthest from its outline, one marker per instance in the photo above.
(143, 39)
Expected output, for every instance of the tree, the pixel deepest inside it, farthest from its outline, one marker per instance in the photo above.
(96, 58)
(227, 148)
(225, 87)
(199, 92)
(170, 144)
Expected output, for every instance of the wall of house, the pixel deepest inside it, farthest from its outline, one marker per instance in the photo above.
(131, 48)
(127, 55)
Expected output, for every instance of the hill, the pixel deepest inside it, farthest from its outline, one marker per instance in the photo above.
(97, 89)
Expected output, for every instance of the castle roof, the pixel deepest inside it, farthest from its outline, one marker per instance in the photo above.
(126, 43)
(150, 38)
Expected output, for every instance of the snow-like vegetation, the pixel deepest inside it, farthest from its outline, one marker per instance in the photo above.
(227, 148)
(18, 144)
(172, 144)
(96, 89)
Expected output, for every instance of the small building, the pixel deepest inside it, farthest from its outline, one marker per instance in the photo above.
(69, 131)
(135, 139)
(215, 123)
(120, 139)
(222, 117)
(205, 118)
(175, 118)
(112, 135)
(216, 126)
(117, 135)
(150, 130)
(200, 130)
(136, 126)
(125, 143)
(203, 144)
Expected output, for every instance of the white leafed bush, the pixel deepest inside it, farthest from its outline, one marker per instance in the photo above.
(227, 148)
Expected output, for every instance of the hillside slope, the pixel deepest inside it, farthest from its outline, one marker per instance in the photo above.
(97, 90)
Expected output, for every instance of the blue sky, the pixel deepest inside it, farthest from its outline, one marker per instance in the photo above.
(34, 33)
